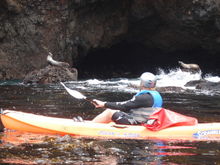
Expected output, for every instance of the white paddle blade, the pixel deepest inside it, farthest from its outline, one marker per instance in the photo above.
(74, 93)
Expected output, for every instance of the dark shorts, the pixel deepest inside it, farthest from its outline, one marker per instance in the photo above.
(123, 118)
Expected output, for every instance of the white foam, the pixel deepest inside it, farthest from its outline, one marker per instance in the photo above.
(173, 77)
(211, 78)
(176, 77)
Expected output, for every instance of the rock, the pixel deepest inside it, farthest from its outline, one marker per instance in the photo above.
(57, 71)
(51, 74)
(204, 85)
(13, 6)
(194, 83)
(170, 89)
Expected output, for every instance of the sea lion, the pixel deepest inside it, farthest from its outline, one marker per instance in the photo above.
(194, 68)
(56, 63)
(189, 66)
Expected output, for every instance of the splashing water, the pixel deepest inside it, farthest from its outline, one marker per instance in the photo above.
(211, 78)
(175, 78)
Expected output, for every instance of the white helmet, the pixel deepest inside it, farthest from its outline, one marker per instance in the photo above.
(148, 80)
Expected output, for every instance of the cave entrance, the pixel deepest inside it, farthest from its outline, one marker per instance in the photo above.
(130, 60)
(122, 60)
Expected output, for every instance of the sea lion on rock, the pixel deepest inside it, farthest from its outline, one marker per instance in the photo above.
(56, 63)
(55, 72)
(189, 67)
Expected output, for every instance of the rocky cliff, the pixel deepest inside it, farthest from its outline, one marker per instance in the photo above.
(74, 29)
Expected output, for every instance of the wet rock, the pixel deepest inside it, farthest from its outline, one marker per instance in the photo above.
(51, 74)
(13, 6)
(170, 89)
(194, 83)
(204, 85)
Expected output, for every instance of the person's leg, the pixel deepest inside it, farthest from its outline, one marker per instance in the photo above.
(124, 118)
(105, 116)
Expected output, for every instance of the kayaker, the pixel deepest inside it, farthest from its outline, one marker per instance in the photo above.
(134, 111)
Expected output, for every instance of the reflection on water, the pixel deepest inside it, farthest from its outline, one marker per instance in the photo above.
(35, 148)
(52, 100)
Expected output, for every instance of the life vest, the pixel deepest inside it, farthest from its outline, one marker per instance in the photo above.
(141, 114)
(156, 97)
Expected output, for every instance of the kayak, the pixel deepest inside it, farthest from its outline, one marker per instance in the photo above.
(28, 122)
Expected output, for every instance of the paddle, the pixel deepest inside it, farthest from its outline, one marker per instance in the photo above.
(77, 94)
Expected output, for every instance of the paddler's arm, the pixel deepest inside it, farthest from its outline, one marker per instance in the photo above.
(144, 100)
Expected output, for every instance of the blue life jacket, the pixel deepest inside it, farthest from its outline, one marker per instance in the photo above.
(156, 96)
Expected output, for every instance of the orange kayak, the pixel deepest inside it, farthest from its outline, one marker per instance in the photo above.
(29, 122)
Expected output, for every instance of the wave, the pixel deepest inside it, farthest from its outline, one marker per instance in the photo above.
(166, 78)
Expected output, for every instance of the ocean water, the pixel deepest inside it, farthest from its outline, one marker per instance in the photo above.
(53, 100)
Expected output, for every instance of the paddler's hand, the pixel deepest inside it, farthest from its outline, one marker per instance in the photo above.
(98, 103)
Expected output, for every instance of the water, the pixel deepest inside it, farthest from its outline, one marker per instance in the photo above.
(52, 100)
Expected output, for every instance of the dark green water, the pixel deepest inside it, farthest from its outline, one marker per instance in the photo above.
(52, 100)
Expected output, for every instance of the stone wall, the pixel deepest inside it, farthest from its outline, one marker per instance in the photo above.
(72, 28)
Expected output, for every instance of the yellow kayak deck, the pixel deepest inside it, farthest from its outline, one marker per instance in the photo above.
(29, 122)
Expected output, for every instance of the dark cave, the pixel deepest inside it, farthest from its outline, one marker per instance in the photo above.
(130, 60)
